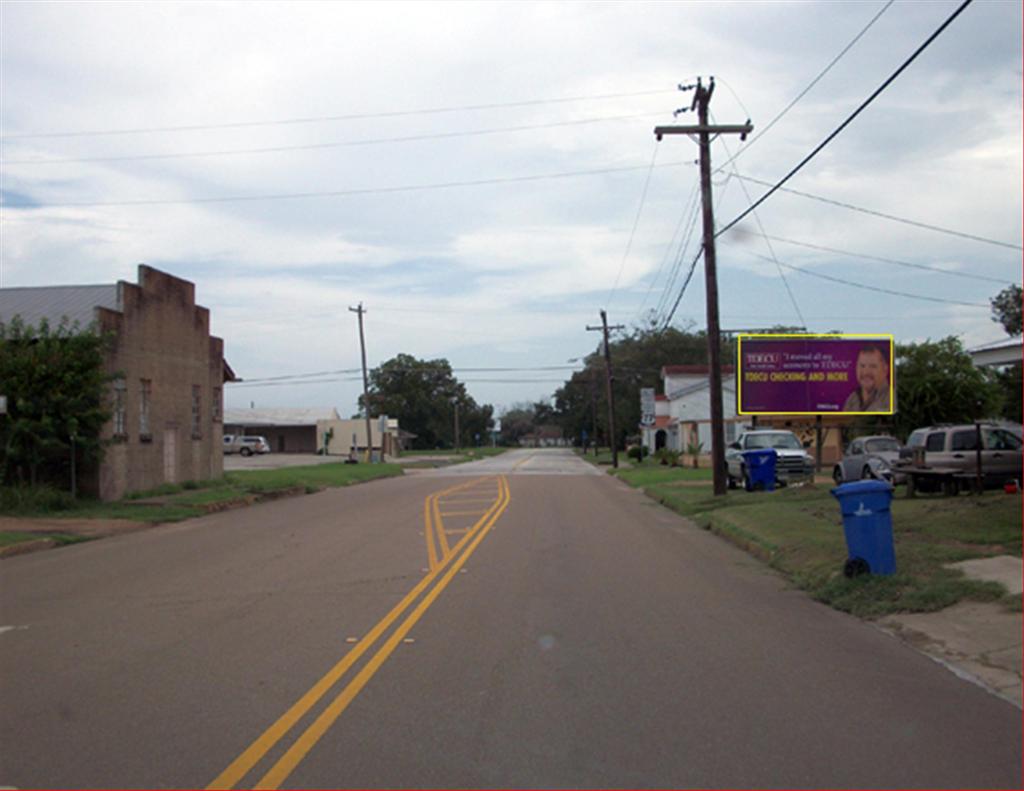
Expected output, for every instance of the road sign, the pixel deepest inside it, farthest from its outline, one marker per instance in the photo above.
(646, 406)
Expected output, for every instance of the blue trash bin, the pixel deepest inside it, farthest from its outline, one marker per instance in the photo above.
(760, 466)
(867, 525)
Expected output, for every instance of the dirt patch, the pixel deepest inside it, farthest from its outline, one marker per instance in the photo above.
(87, 528)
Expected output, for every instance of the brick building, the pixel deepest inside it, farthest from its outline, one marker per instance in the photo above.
(166, 397)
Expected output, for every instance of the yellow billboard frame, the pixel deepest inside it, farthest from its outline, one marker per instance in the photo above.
(815, 336)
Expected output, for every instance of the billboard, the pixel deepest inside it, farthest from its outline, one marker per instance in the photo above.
(814, 374)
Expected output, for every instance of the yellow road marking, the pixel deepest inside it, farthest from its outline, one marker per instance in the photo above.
(286, 765)
(428, 532)
(461, 513)
(519, 464)
(272, 735)
(441, 537)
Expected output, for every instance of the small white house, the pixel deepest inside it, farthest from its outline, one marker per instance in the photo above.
(683, 412)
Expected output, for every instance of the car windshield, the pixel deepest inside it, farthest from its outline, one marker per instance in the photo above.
(916, 439)
(783, 441)
(882, 445)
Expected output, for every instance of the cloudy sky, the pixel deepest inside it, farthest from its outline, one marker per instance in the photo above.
(484, 178)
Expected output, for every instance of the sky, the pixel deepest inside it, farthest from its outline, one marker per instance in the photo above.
(484, 177)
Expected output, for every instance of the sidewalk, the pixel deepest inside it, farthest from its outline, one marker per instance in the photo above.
(979, 641)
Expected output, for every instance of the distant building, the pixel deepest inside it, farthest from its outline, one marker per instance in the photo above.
(683, 411)
(287, 430)
(167, 394)
(544, 437)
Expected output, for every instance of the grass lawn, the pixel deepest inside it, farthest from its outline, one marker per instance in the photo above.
(799, 531)
(173, 503)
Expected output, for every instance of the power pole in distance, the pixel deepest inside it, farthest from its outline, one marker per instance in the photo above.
(701, 99)
(366, 387)
(608, 377)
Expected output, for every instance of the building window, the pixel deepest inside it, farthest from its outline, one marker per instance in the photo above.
(216, 405)
(120, 423)
(196, 412)
(145, 395)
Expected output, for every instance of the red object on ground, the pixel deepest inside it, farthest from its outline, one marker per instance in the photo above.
(1010, 487)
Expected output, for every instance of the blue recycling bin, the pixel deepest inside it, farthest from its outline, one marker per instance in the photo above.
(867, 525)
(760, 466)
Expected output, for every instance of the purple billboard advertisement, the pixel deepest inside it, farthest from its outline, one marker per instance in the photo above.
(814, 374)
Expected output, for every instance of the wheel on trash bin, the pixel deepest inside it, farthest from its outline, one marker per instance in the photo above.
(854, 567)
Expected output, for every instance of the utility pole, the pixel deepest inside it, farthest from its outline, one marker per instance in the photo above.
(608, 378)
(455, 403)
(701, 99)
(366, 386)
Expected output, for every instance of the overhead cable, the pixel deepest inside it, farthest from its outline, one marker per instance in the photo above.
(324, 118)
(348, 193)
(883, 215)
(880, 259)
(849, 119)
(333, 144)
(632, 232)
(878, 289)
(802, 93)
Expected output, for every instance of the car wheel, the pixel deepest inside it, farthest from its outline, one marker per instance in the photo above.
(837, 475)
(730, 482)
(246, 451)
(747, 486)
(867, 473)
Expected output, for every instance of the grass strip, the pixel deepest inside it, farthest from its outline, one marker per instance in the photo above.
(799, 531)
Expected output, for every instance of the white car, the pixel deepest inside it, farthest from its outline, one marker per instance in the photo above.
(792, 462)
(245, 445)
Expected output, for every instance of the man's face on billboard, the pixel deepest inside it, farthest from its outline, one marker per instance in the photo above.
(872, 371)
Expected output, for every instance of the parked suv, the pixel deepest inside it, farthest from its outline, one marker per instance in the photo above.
(955, 447)
(246, 446)
(792, 462)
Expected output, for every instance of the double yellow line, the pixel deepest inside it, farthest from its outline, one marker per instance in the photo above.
(438, 550)
(426, 592)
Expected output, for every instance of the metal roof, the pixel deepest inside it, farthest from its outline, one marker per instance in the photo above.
(53, 303)
(278, 417)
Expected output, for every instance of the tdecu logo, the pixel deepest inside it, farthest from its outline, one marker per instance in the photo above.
(762, 358)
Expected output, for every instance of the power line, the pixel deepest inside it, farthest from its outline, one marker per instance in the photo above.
(802, 93)
(692, 212)
(925, 267)
(771, 250)
(849, 119)
(334, 144)
(689, 275)
(453, 369)
(348, 193)
(878, 289)
(632, 233)
(883, 215)
(324, 118)
(668, 250)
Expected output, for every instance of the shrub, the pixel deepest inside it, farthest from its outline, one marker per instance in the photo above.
(34, 499)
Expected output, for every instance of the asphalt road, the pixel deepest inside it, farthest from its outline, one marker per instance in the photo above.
(516, 622)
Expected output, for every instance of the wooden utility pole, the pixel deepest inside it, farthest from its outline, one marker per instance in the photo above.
(608, 377)
(701, 99)
(366, 387)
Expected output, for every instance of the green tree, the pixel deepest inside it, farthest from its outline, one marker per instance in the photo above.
(422, 394)
(1006, 309)
(55, 386)
(937, 382)
(637, 360)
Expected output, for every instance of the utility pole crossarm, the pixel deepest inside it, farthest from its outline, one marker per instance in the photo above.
(723, 129)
